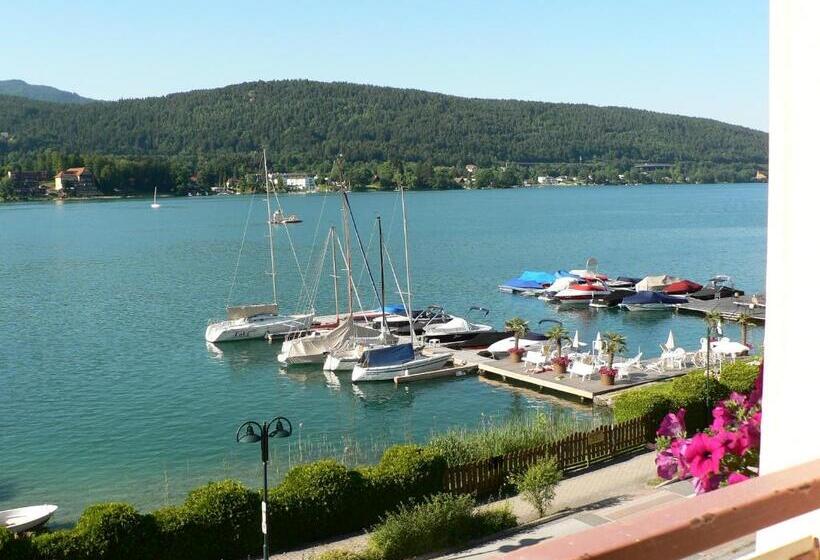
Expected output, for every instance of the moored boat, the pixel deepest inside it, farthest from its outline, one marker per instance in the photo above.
(383, 364)
(651, 301)
(717, 287)
(23, 519)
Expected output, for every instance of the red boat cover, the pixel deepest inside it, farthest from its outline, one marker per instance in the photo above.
(682, 287)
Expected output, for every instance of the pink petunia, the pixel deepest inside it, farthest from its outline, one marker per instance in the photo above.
(703, 455)
(721, 417)
(667, 465)
(673, 425)
(736, 477)
(736, 443)
(707, 483)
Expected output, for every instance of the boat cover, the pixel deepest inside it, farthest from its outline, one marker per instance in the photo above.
(629, 279)
(537, 276)
(523, 284)
(395, 309)
(325, 342)
(562, 283)
(399, 354)
(561, 273)
(682, 287)
(645, 297)
(655, 282)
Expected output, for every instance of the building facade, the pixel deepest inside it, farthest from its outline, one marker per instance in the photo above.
(75, 181)
(301, 182)
(28, 184)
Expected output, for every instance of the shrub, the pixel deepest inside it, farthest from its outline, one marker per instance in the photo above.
(739, 376)
(339, 554)
(537, 484)
(230, 516)
(653, 400)
(60, 545)
(318, 500)
(689, 392)
(115, 531)
(12, 548)
(439, 522)
(405, 472)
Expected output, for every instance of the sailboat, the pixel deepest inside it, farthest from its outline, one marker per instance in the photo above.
(155, 204)
(259, 320)
(317, 345)
(383, 364)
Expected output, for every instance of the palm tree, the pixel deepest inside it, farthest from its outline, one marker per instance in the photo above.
(557, 334)
(713, 318)
(519, 327)
(614, 343)
(745, 321)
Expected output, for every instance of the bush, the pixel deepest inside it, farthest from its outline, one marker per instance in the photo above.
(437, 523)
(339, 554)
(60, 545)
(537, 484)
(318, 500)
(405, 472)
(739, 376)
(13, 548)
(115, 531)
(653, 400)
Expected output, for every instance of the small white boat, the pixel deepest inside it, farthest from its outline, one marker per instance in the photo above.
(26, 518)
(383, 364)
(256, 321)
(279, 218)
(155, 204)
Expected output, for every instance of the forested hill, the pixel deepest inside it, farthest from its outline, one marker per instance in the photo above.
(304, 122)
(20, 88)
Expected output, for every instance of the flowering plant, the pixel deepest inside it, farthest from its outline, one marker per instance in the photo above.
(610, 371)
(727, 452)
(560, 361)
(518, 351)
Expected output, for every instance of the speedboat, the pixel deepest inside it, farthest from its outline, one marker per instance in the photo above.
(383, 364)
(26, 518)
(502, 348)
(398, 323)
(717, 287)
(460, 333)
(246, 322)
(651, 301)
(610, 299)
(529, 283)
(581, 292)
(681, 287)
(655, 283)
(561, 283)
(623, 282)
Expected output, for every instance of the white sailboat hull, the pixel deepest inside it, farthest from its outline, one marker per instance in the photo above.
(257, 327)
(421, 364)
(25, 518)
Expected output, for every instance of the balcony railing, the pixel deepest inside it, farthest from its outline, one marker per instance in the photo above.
(697, 524)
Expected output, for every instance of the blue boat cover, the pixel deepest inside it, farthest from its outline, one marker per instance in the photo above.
(388, 356)
(537, 276)
(395, 309)
(653, 297)
(523, 284)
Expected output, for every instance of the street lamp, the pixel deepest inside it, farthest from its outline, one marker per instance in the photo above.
(252, 432)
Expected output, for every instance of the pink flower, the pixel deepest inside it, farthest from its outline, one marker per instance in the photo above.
(707, 484)
(721, 417)
(736, 443)
(703, 455)
(738, 399)
(673, 425)
(736, 477)
(757, 392)
(667, 465)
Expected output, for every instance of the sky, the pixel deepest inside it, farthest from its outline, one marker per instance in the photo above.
(694, 57)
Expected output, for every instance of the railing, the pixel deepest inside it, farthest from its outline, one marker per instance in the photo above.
(690, 526)
(576, 451)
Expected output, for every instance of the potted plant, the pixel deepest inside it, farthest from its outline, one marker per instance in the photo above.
(519, 327)
(614, 343)
(558, 334)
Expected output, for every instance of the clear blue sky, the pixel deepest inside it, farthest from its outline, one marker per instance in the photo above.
(695, 57)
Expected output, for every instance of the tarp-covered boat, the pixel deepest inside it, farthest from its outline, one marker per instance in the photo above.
(682, 287)
(655, 283)
(651, 301)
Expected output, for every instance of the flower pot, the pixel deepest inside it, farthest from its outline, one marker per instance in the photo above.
(515, 357)
(608, 380)
(559, 369)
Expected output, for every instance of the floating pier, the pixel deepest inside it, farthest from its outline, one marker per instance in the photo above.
(729, 307)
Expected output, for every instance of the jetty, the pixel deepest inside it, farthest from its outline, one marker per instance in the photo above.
(730, 308)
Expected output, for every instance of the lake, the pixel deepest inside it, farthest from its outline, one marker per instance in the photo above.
(109, 392)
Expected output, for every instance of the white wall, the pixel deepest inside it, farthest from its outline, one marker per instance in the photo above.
(791, 394)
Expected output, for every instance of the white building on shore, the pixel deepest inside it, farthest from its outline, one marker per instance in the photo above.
(301, 182)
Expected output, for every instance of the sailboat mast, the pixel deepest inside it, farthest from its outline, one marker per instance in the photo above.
(346, 226)
(335, 273)
(407, 268)
(270, 226)
(381, 266)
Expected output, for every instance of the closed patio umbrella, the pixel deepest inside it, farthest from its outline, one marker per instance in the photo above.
(670, 342)
(598, 345)
(576, 342)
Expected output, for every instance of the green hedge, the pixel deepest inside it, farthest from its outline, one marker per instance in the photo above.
(688, 391)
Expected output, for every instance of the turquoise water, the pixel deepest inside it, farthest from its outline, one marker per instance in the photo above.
(107, 388)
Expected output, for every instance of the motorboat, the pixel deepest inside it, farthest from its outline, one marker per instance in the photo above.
(398, 323)
(502, 348)
(581, 292)
(623, 282)
(460, 333)
(655, 283)
(279, 218)
(383, 364)
(561, 283)
(247, 322)
(681, 287)
(719, 286)
(23, 519)
(651, 301)
(610, 299)
(529, 283)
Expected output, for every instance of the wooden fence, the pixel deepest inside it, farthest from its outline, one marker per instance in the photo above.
(574, 452)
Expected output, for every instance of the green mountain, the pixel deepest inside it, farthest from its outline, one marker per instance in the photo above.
(387, 135)
(19, 88)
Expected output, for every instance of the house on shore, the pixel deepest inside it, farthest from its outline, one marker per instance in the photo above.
(75, 181)
(30, 184)
(301, 182)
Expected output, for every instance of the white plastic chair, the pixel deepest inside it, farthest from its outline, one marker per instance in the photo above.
(625, 368)
(582, 370)
(535, 360)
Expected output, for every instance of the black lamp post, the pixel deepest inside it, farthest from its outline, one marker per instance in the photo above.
(252, 432)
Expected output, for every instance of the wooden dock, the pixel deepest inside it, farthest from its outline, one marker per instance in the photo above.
(729, 307)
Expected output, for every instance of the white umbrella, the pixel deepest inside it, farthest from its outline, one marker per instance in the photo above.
(670, 342)
(576, 342)
(598, 345)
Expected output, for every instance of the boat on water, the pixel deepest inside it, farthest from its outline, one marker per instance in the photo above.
(399, 323)
(23, 519)
(651, 301)
(581, 292)
(611, 299)
(655, 283)
(458, 333)
(681, 287)
(383, 364)
(530, 282)
(279, 218)
(719, 286)
(622, 282)
(502, 348)
(259, 320)
(155, 204)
